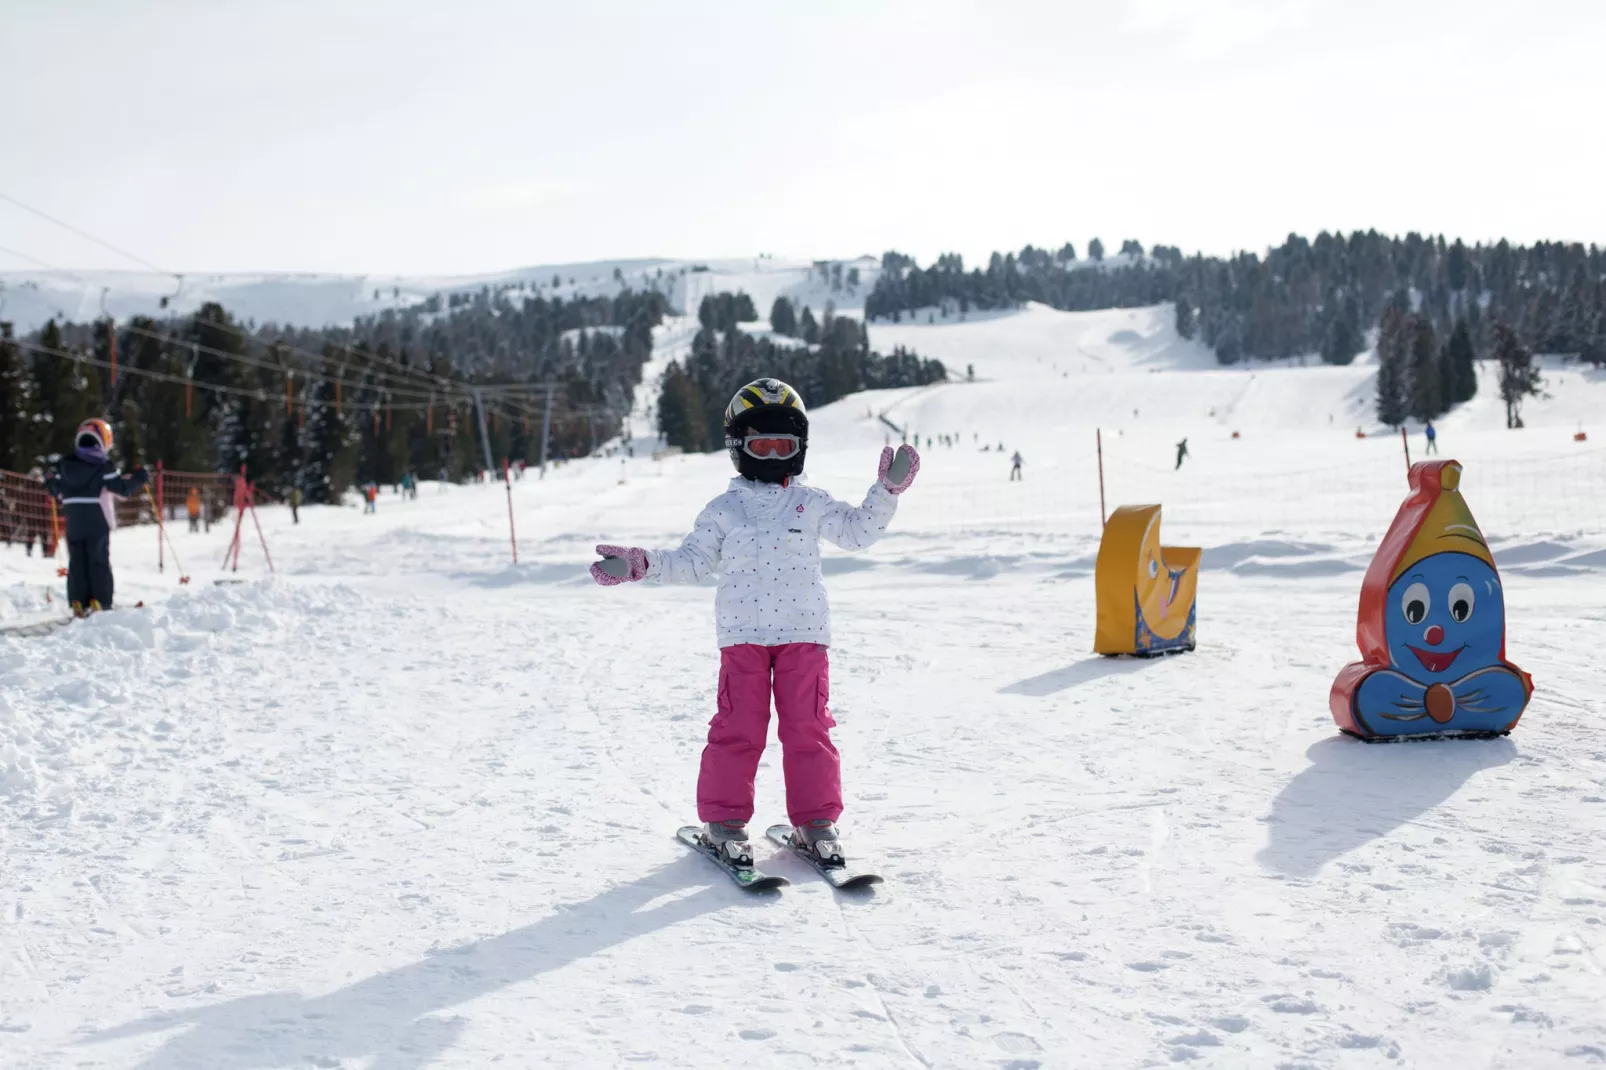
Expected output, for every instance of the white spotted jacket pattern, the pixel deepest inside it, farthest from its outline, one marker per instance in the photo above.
(763, 540)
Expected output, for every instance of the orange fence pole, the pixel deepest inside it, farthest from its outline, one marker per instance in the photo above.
(251, 499)
(239, 515)
(156, 503)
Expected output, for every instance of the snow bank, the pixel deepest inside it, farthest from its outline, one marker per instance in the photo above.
(61, 692)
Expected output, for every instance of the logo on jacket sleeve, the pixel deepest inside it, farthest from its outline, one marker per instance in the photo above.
(800, 508)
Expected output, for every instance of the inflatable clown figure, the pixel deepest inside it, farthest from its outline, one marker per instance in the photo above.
(1432, 627)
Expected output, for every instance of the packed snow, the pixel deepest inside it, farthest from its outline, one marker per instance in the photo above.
(408, 804)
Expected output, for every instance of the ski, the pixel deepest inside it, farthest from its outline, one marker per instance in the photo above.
(843, 876)
(751, 880)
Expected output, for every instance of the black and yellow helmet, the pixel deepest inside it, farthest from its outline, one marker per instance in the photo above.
(763, 393)
(766, 406)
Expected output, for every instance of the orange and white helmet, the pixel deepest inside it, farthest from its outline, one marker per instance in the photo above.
(96, 429)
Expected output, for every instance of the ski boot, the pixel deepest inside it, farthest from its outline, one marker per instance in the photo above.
(94, 607)
(729, 841)
(78, 610)
(819, 837)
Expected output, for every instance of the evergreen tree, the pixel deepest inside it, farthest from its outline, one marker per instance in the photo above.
(67, 392)
(1185, 321)
(783, 317)
(327, 464)
(1427, 394)
(1457, 267)
(1393, 352)
(1095, 250)
(1066, 255)
(1132, 248)
(1518, 376)
(1343, 338)
(16, 395)
(1461, 372)
(680, 411)
(808, 329)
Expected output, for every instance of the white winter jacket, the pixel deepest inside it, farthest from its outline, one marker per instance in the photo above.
(764, 541)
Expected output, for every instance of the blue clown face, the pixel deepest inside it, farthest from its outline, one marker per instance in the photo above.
(1446, 617)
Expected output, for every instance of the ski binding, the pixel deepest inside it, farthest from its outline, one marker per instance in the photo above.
(840, 875)
(747, 877)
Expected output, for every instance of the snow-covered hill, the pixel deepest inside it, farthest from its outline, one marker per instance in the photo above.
(32, 297)
(410, 805)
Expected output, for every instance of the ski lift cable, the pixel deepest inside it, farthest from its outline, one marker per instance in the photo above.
(271, 365)
(256, 392)
(125, 253)
(418, 374)
(166, 377)
(85, 234)
(238, 357)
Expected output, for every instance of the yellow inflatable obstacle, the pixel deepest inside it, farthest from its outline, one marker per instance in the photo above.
(1145, 591)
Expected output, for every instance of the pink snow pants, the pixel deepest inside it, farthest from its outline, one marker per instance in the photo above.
(799, 676)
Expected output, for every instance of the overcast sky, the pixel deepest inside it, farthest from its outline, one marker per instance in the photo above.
(476, 135)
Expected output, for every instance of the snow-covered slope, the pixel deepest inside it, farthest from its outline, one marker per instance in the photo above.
(411, 805)
(29, 298)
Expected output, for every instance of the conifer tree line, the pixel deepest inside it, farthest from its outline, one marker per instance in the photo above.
(1305, 296)
(834, 362)
(323, 409)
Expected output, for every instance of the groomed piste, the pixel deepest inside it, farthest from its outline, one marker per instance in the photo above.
(409, 804)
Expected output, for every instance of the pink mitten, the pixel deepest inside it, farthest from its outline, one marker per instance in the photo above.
(619, 564)
(898, 471)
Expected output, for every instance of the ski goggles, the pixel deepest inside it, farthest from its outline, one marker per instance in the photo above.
(764, 446)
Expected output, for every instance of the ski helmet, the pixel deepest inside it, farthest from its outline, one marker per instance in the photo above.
(767, 406)
(95, 432)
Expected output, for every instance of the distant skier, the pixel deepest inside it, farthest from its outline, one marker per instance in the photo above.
(1182, 453)
(192, 508)
(1014, 467)
(84, 483)
(370, 497)
(1432, 435)
(762, 537)
(295, 505)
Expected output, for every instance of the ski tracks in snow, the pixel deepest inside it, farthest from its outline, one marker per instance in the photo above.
(403, 824)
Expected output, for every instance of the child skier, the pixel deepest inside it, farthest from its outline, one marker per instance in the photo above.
(84, 482)
(763, 538)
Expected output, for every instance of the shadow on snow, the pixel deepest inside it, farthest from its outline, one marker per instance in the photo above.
(1353, 793)
(389, 1016)
(1084, 671)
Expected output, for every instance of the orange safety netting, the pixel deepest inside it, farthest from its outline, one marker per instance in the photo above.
(28, 516)
(213, 496)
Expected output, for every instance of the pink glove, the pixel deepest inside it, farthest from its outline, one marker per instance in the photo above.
(897, 472)
(620, 564)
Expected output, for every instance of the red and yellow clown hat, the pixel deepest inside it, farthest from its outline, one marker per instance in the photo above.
(1434, 519)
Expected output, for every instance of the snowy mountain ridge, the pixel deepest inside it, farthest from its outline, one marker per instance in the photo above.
(29, 298)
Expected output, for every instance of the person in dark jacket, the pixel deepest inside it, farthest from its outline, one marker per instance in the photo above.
(84, 482)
